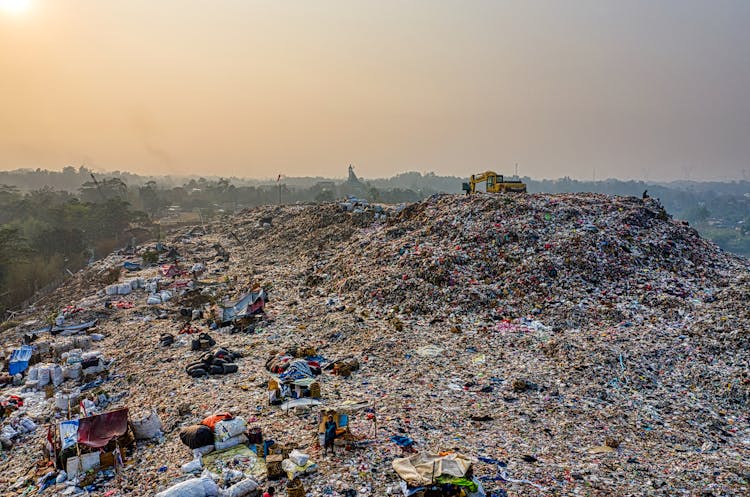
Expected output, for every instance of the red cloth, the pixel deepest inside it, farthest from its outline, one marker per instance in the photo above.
(97, 431)
(212, 420)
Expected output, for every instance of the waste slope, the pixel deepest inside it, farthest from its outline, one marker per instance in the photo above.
(576, 260)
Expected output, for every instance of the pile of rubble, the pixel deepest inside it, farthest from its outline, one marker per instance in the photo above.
(553, 344)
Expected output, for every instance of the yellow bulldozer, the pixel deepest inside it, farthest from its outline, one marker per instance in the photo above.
(495, 183)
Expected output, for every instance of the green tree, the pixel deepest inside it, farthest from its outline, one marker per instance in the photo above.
(151, 201)
(13, 251)
(104, 190)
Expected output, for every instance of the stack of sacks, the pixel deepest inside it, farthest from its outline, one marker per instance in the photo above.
(298, 464)
(159, 297)
(43, 375)
(230, 432)
(121, 288)
(217, 432)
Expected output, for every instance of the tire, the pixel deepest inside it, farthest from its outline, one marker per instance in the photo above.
(197, 372)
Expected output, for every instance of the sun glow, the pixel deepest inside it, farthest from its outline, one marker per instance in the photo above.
(15, 7)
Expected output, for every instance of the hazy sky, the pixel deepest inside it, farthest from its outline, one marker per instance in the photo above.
(652, 89)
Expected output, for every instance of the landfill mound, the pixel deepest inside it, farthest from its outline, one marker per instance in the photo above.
(563, 344)
(577, 260)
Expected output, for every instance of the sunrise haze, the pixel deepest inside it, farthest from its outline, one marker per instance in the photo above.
(637, 89)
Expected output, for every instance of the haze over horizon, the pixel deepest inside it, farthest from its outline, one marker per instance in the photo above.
(638, 89)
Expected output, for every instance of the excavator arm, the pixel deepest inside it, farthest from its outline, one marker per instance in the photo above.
(490, 177)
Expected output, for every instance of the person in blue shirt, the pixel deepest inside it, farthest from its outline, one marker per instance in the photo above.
(330, 435)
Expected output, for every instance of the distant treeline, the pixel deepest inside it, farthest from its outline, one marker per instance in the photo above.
(48, 230)
(45, 233)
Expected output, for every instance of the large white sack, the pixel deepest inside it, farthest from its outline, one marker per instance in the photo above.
(146, 427)
(192, 466)
(196, 487)
(57, 375)
(43, 376)
(72, 372)
(202, 451)
(231, 442)
(224, 430)
(242, 488)
(299, 458)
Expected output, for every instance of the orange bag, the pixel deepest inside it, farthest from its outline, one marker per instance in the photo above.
(212, 420)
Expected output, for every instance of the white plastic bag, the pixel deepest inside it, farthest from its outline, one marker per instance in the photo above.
(196, 487)
(192, 466)
(28, 424)
(146, 427)
(239, 439)
(299, 458)
(202, 451)
(224, 430)
(57, 375)
(242, 488)
(44, 377)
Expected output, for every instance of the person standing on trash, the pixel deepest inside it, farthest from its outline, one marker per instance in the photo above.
(330, 435)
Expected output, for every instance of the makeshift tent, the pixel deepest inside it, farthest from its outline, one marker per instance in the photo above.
(97, 431)
(341, 415)
(249, 305)
(92, 435)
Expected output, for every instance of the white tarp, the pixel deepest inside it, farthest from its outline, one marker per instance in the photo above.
(422, 469)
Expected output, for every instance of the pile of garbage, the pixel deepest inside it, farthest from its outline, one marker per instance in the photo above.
(575, 259)
(14, 427)
(511, 344)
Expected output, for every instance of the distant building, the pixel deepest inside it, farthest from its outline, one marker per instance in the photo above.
(353, 180)
(352, 185)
